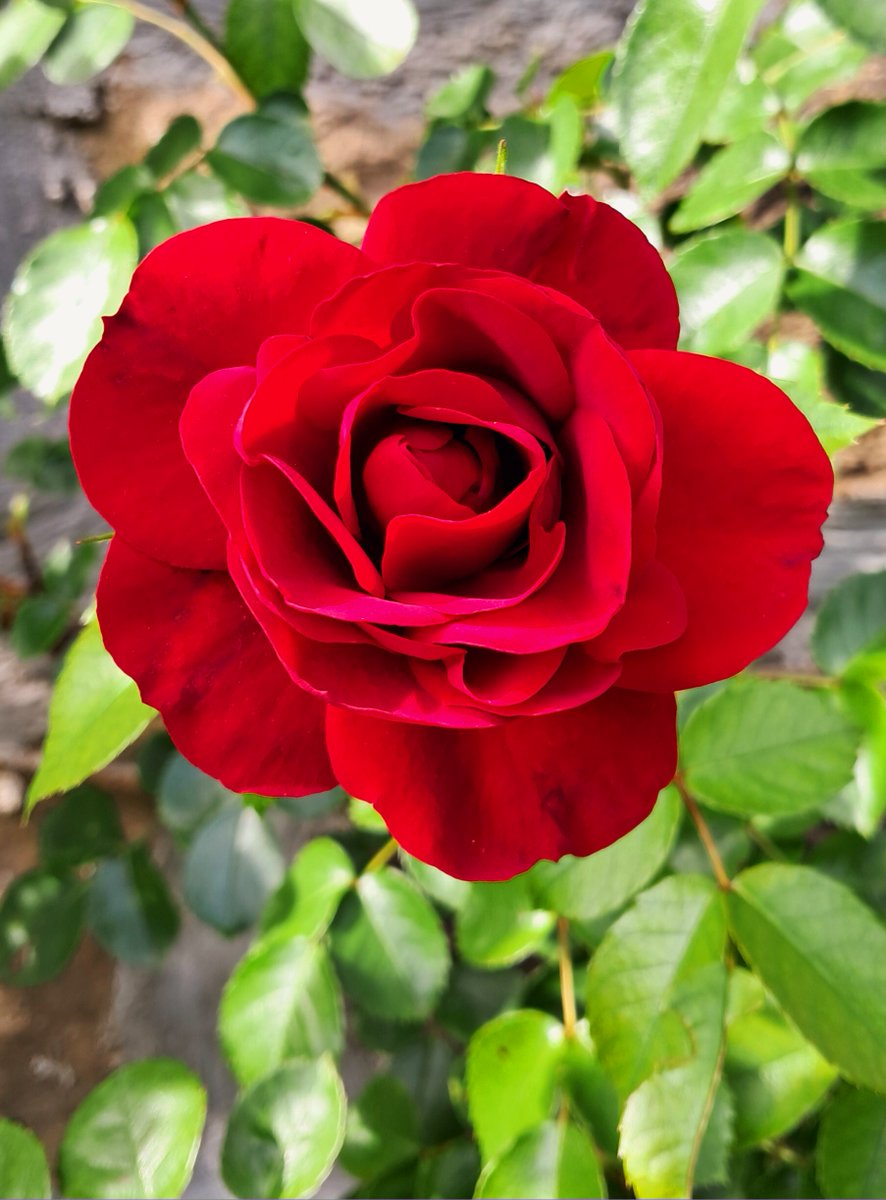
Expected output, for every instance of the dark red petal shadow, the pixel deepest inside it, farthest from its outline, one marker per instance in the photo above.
(201, 301)
(198, 656)
(745, 489)
(486, 804)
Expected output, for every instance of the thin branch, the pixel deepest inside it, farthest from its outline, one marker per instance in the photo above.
(567, 981)
(707, 840)
(382, 857)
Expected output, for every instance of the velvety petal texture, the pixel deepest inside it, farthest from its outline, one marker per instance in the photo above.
(447, 519)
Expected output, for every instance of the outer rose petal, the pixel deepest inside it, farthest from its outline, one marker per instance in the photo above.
(575, 244)
(745, 489)
(203, 300)
(486, 804)
(197, 655)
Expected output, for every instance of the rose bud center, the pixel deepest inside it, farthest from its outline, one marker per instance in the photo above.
(439, 470)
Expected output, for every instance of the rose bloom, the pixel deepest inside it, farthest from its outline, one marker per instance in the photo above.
(447, 519)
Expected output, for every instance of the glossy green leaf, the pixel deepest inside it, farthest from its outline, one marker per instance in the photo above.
(23, 1167)
(153, 221)
(683, 50)
(462, 99)
(805, 51)
(662, 1155)
(862, 389)
(390, 948)
(851, 623)
(449, 892)
(27, 29)
(582, 81)
(360, 40)
(94, 713)
(555, 1159)
(131, 912)
(643, 970)
(186, 797)
(281, 1002)
(180, 140)
(862, 804)
(382, 1131)
(590, 1089)
(90, 40)
(41, 920)
(136, 1134)
(265, 46)
(195, 199)
(285, 1132)
(822, 955)
(746, 104)
(768, 747)
(448, 148)
(44, 463)
(82, 828)
(231, 868)
(309, 896)
(867, 22)
(728, 283)
(269, 156)
(732, 180)
(500, 923)
(511, 1076)
(841, 283)
(776, 1077)
(799, 369)
(841, 154)
(60, 292)
(850, 1158)
(545, 150)
(585, 888)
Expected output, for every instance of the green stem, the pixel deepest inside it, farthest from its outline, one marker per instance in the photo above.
(707, 838)
(382, 857)
(356, 201)
(501, 157)
(567, 980)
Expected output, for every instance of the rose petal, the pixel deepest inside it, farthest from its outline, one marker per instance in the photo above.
(202, 300)
(745, 489)
(197, 654)
(487, 804)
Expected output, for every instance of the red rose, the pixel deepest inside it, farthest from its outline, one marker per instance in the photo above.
(447, 520)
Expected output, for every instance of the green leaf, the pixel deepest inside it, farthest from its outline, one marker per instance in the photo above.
(448, 1172)
(585, 888)
(799, 369)
(727, 283)
(552, 1160)
(545, 151)
(861, 388)
(841, 154)
(94, 713)
(281, 1002)
(186, 797)
(765, 747)
(660, 1151)
(130, 911)
(590, 1089)
(136, 1134)
(862, 804)
(44, 463)
(462, 99)
(23, 1167)
(851, 624)
(390, 948)
(841, 283)
(269, 156)
(500, 923)
(359, 39)
(285, 1132)
(803, 52)
(382, 1131)
(684, 50)
(449, 892)
(850, 1158)
(309, 896)
(867, 22)
(448, 148)
(265, 46)
(27, 29)
(582, 81)
(181, 139)
(774, 1074)
(511, 1076)
(474, 996)
(746, 104)
(645, 965)
(231, 867)
(822, 954)
(195, 199)
(732, 180)
(39, 624)
(153, 221)
(425, 1066)
(41, 920)
(82, 828)
(90, 40)
(60, 292)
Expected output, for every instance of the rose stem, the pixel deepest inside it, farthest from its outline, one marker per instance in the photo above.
(383, 856)
(567, 983)
(707, 840)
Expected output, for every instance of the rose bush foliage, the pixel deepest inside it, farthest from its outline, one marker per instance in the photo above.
(447, 519)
